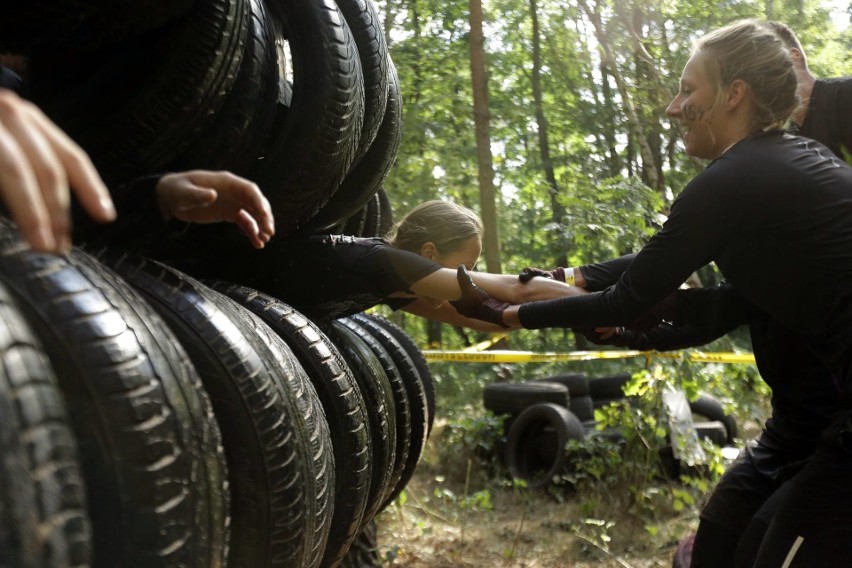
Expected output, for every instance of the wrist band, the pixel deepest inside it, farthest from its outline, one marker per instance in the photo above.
(569, 276)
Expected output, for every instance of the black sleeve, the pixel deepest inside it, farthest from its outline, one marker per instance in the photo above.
(602, 275)
(703, 220)
(395, 270)
(138, 216)
(703, 315)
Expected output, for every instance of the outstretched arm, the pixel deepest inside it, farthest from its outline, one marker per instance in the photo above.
(443, 284)
(446, 313)
(197, 196)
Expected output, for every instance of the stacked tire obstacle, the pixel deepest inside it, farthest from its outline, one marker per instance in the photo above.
(154, 420)
(542, 416)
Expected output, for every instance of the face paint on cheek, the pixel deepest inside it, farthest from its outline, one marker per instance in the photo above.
(694, 112)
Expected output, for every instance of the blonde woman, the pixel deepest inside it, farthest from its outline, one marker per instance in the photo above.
(413, 269)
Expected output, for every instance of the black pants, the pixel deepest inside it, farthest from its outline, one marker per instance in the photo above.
(772, 511)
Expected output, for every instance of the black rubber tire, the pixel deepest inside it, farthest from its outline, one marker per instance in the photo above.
(387, 213)
(28, 27)
(363, 20)
(415, 394)
(378, 397)
(246, 115)
(371, 227)
(577, 383)
(535, 451)
(580, 403)
(583, 407)
(137, 105)
(365, 552)
(344, 408)
(366, 178)
(711, 408)
(608, 387)
(149, 446)
(401, 403)
(278, 355)
(43, 518)
(423, 370)
(266, 443)
(714, 431)
(355, 223)
(314, 139)
(513, 398)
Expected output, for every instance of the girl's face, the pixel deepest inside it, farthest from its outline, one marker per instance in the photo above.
(694, 108)
(467, 254)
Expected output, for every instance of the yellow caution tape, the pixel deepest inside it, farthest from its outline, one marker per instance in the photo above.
(483, 345)
(507, 356)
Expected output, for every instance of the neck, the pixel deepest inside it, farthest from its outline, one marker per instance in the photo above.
(804, 90)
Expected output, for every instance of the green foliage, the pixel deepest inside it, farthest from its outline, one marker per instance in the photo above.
(594, 151)
(470, 444)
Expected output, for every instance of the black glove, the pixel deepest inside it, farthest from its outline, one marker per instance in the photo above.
(477, 303)
(528, 274)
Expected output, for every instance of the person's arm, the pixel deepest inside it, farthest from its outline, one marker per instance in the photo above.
(703, 315)
(198, 196)
(40, 166)
(601, 275)
(443, 284)
(446, 313)
(702, 221)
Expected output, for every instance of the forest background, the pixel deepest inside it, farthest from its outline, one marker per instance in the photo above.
(547, 118)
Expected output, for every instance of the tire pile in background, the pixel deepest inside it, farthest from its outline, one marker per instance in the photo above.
(542, 416)
(150, 419)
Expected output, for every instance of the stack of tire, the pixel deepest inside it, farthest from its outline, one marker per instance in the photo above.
(542, 416)
(299, 96)
(153, 420)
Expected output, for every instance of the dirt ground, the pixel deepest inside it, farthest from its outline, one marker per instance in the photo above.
(442, 525)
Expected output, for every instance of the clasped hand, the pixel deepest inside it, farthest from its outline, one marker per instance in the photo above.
(477, 303)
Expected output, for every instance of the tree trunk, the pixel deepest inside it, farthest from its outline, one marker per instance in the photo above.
(487, 193)
(557, 210)
(608, 57)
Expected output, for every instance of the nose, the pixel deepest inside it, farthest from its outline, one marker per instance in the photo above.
(673, 110)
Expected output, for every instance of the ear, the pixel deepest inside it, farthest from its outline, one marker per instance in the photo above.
(428, 250)
(796, 55)
(736, 94)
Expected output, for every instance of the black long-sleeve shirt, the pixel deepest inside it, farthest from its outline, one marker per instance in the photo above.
(775, 214)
